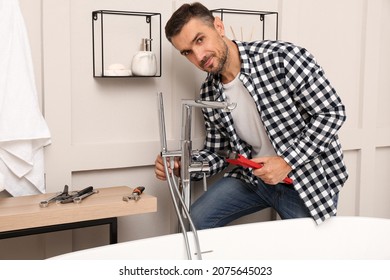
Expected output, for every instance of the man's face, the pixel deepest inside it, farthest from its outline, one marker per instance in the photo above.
(202, 45)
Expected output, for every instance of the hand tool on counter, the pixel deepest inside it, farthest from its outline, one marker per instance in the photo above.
(76, 194)
(79, 199)
(238, 159)
(135, 195)
(58, 197)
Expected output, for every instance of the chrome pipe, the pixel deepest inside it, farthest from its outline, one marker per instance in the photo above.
(172, 189)
(163, 134)
(192, 226)
(210, 104)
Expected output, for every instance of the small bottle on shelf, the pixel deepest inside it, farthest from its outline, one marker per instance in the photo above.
(144, 62)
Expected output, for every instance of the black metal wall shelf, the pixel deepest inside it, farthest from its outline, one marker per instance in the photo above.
(116, 37)
(268, 21)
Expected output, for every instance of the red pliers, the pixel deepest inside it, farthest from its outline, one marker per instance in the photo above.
(237, 159)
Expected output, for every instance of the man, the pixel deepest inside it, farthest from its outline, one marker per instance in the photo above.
(287, 118)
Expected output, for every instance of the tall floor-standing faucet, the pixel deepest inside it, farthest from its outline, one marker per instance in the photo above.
(180, 192)
(189, 166)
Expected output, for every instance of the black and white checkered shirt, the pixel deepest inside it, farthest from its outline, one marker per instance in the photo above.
(301, 113)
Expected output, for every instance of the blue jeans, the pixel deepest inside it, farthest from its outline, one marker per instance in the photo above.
(230, 198)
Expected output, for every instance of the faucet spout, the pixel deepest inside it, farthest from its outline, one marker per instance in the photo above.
(210, 104)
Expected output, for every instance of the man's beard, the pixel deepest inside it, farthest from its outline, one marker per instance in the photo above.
(222, 60)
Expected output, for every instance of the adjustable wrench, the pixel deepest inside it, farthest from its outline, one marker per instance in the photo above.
(55, 198)
(78, 199)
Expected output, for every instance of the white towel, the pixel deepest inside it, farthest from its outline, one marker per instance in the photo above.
(23, 130)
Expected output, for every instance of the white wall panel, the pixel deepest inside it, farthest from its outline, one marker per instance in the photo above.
(120, 109)
(380, 186)
(374, 135)
(348, 204)
(383, 112)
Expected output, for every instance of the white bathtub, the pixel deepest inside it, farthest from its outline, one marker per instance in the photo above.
(337, 238)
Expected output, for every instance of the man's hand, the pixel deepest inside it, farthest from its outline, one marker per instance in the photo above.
(160, 171)
(274, 169)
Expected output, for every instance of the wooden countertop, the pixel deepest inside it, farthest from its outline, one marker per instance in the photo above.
(24, 212)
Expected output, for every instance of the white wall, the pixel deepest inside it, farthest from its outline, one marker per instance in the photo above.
(105, 131)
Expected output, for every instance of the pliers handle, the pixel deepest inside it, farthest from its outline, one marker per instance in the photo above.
(243, 161)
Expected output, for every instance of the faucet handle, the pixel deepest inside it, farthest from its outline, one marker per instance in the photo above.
(204, 182)
(202, 167)
(205, 169)
(195, 153)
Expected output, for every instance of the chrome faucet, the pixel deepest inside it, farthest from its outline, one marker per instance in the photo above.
(187, 165)
(181, 192)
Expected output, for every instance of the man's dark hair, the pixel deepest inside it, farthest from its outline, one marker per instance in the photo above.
(183, 15)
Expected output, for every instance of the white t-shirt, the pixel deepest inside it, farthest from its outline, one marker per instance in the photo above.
(247, 120)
